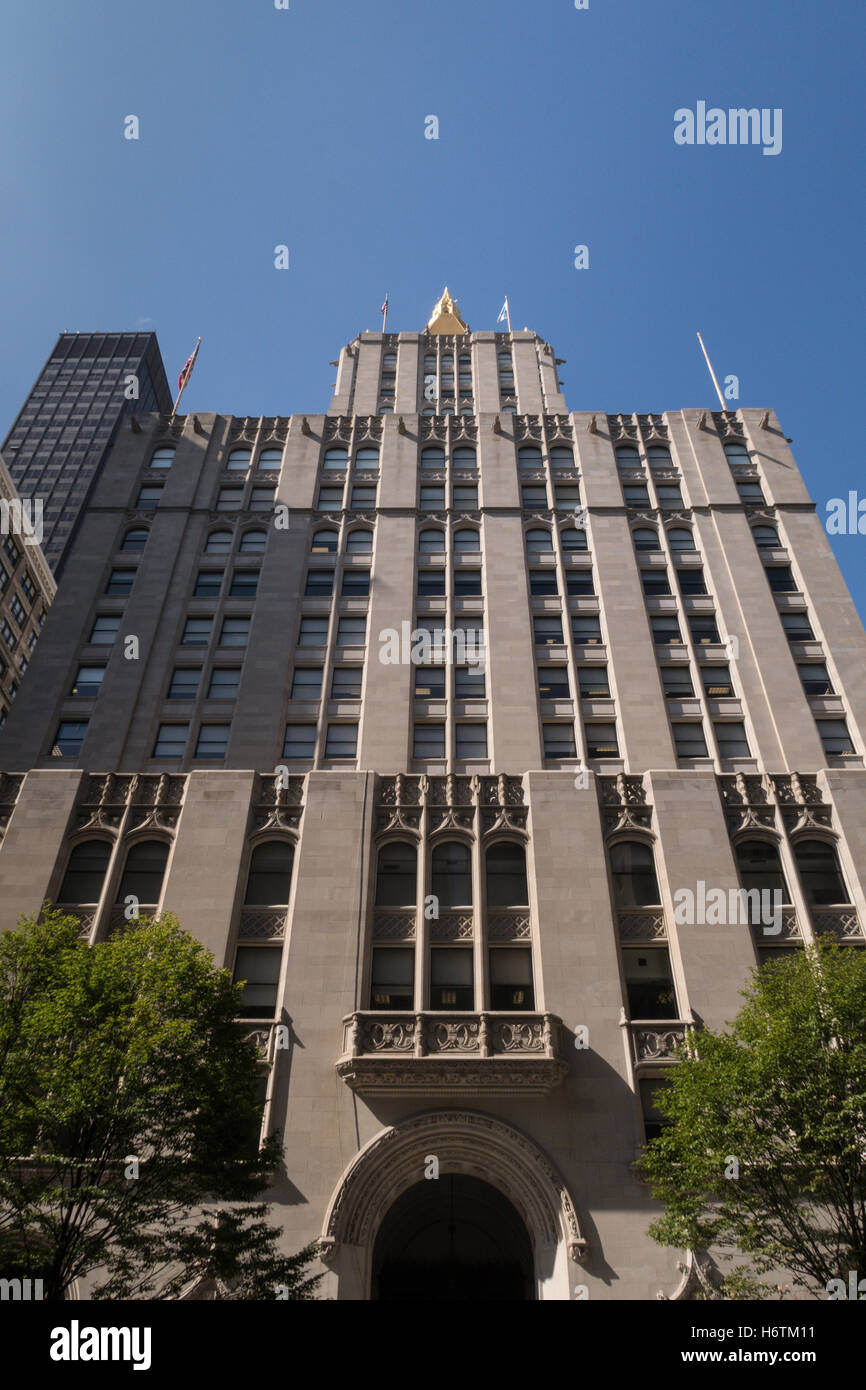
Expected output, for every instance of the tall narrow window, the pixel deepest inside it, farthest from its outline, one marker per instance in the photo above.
(648, 981)
(511, 978)
(452, 875)
(85, 873)
(634, 876)
(143, 872)
(269, 877)
(506, 875)
(819, 872)
(396, 875)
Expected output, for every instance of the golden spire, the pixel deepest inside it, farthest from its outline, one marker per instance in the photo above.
(446, 316)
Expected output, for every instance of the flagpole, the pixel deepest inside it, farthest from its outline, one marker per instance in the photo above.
(507, 314)
(385, 311)
(186, 377)
(712, 374)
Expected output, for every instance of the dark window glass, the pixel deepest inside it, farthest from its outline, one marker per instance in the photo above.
(184, 683)
(451, 978)
(469, 683)
(506, 875)
(218, 543)
(392, 978)
(307, 683)
(269, 878)
(593, 682)
(690, 741)
(208, 584)
(601, 741)
(559, 741)
(224, 683)
(586, 629)
(143, 872)
(704, 630)
(452, 875)
(677, 682)
(341, 741)
(467, 583)
(300, 741)
(346, 683)
(511, 978)
(70, 737)
(170, 741)
(835, 736)
(396, 875)
(819, 873)
(691, 581)
(135, 539)
(120, 582)
(542, 581)
(655, 582)
(717, 682)
(816, 679)
(87, 682)
(538, 540)
(429, 741)
(648, 981)
(324, 543)
(553, 683)
(797, 627)
(759, 867)
(85, 873)
(471, 741)
(547, 631)
(358, 541)
(781, 580)
(573, 538)
(429, 682)
(665, 631)
(732, 740)
(259, 967)
(634, 875)
(431, 583)
(244, 584)
(766, 538)
(645, 539)
(579, 582)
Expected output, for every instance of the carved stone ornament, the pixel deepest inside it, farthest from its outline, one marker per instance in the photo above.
(697, 1273)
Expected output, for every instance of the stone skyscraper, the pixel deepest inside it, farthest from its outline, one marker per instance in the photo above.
(449, 882)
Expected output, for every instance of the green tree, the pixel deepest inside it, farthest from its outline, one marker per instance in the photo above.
(764, 1152)
(129, 1117)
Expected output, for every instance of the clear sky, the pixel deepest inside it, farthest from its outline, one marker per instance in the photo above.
(306, 127)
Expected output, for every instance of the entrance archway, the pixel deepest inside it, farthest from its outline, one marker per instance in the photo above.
(452, 1239)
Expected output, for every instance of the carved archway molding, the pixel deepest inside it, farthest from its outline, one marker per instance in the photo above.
(463, 1141)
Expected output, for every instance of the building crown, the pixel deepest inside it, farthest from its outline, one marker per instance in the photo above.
(446, 316)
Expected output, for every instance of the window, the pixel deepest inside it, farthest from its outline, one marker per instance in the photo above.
(680, 539)
(162, 458)
(505, 868)
(750, 492)
(533, 496)
(239, 460)
(431, 541)
(320, 583)
(392, 978)
(85, 873)
(135, 538)
(529, 459)
(451, 978)
(396, 875)
(336, 459)
(542, 582)
(235, 632)
(342, 741)
(170, 741)
(451, 879)
(16, 608)
(648, 982)
(561, 458)
(669, 497)
(432, 497)
(553, 683)
(213, 741)
(218, 543)
(463, 457)
(654, 1120)
(471, 741)
(819, 873)
(346, 683)
(736, 453)
(797, 627)
(197, 632)
(330, 499)
(431, 583)
(689, 740)
(324, 543)
(732, 741)
(586, 629)
(780, 579)
(655, 582)
(429, 683)
(677, 682)
(547, 631)
(28, 588)
(120, 582)
(573, 538)
(835, 736)
(258, 967)
(253, 542)
(469, 683)
(148, 497)
(579, 582)
(307, 683)
(244, 584)
(105, 629)
(645, 539)
(87, 682)
(717, 682)
(659, 457)
(363, 497)
(465, 496)
(766, 538)
(511, 978)
(229, 499)
(538, 541)
(627, 457)
(143, 872)
(208, 584)
(601, 741)
(665, 630)
(634, 876)
(224, 682)
(262, 499)
(428, 741)
(636, 495)
(313, 632)
(593, 682)
(270, 459)
(300, 741)
(467, 583)
(432, 458)
(358, 541)
(69, 738)
(367, 458)
(269, 878)
(691, 581)
(352, 632)
(466, 541)
(703, 629)
(566, 497)
(759, 866)
(816, 679)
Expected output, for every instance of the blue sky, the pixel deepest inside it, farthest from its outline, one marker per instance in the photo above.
(306, 127)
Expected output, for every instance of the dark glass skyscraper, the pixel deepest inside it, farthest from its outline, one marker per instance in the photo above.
(63, 432)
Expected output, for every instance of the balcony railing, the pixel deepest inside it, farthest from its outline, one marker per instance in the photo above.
(641, 924)
(655, 1040)
(840, 922)
(475, 1053)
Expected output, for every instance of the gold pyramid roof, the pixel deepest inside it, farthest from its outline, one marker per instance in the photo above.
(446, 316)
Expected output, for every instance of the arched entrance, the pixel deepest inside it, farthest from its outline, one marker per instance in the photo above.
(452, 1239)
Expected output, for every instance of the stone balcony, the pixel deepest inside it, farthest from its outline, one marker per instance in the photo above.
(430, 1053)
(654, 1041)
(840, 922)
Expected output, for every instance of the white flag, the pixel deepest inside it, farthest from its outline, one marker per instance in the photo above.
(503, 312)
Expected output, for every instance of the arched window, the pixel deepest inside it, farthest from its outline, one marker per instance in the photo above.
(359, 541)
(627, 457)
(135, 538)
(368, 457)
(819, 872)
(324, 543)
(270, 459)
(573, 538)
(759, 866)
(396, 876)
(452, 874)
(561, 458)
(736, 452)
(659, 457)
(163, 457)
(253, 542)
(432, 458)
(679, 538)
(529, 458)
(143, 872)
(239, 460)
(430, 541)
(336, 459)
(463, 457)
(766, 538)
(466, 539)
(218, 543)
(85, 873)
(270, 874)
(506, 875)
(645, 538)
(538, 540)
(634, 876)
